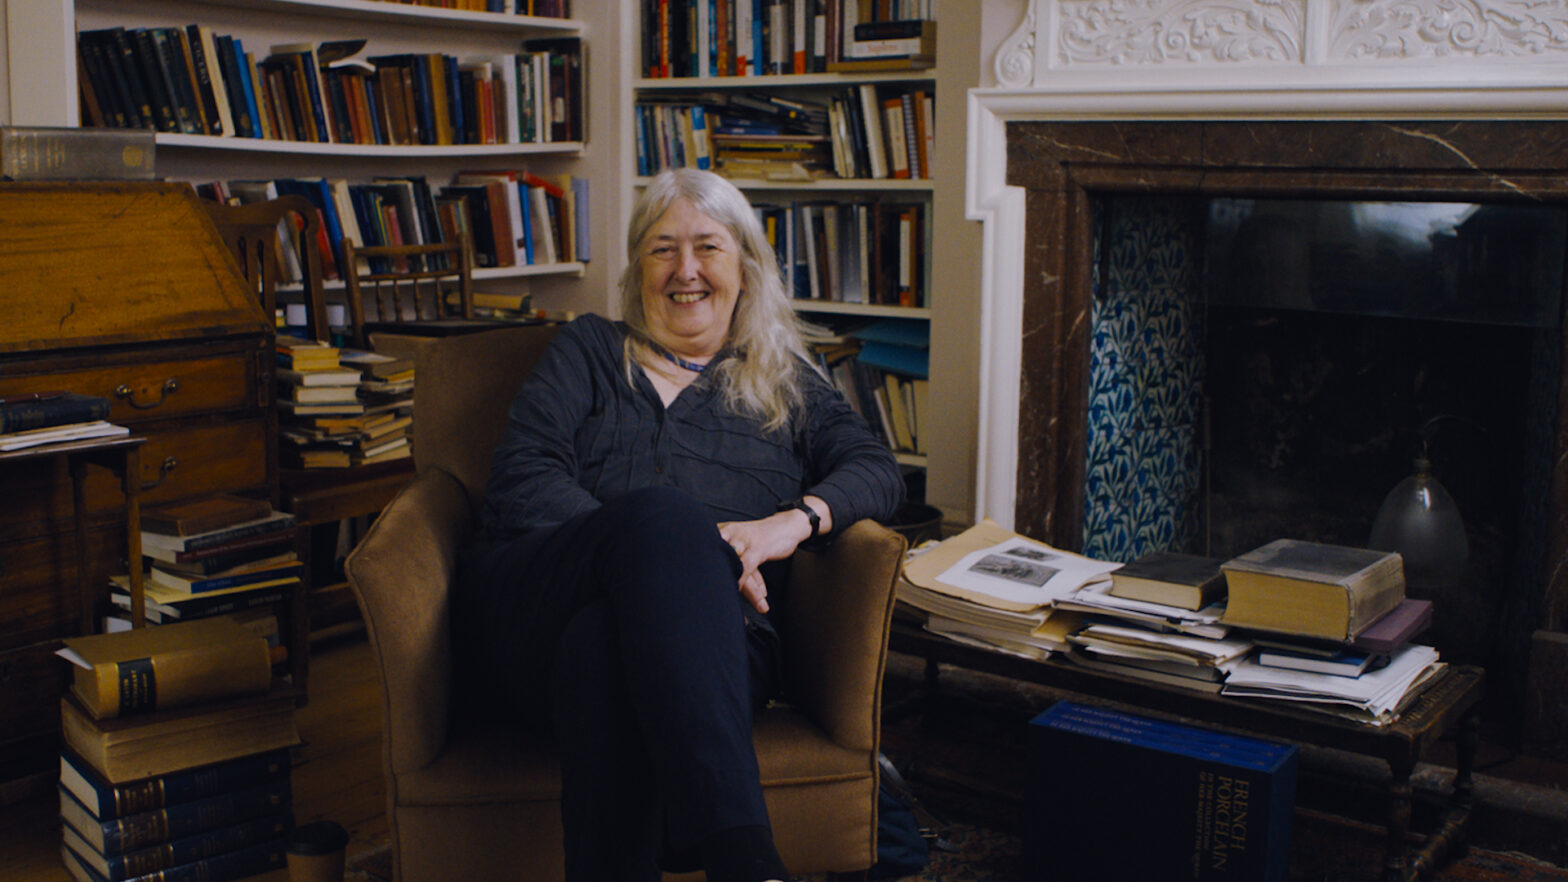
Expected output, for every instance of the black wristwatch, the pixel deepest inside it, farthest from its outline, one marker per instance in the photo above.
(811, 513)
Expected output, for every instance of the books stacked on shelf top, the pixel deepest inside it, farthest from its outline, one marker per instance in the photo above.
(992, 587)
(193, 784)
(329, 407)
(31, 419)
(197, 569)
(385, 431)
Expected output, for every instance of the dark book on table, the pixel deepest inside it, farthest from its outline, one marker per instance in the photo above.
(177, 821)
(203, 514)
(1189, 581)
(60, 409)
(226, 867)
(1119, 796)
(106, 801)
(275, 523)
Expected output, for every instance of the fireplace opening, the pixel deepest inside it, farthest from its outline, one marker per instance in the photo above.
(1271, 368)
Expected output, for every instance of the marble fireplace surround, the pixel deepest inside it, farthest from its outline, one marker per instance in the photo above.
(1465, 100)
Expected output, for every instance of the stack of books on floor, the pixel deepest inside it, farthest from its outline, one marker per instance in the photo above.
(337, 413)
(213, 555)
(31, 419)
(175, 763)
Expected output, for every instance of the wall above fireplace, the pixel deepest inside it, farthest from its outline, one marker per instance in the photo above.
(1358, 99)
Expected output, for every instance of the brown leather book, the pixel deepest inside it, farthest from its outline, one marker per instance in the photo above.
(204, 514)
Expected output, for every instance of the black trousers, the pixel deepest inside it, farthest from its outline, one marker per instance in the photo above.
(632, 616)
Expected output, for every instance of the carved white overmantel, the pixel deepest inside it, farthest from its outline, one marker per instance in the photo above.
(1225, 59)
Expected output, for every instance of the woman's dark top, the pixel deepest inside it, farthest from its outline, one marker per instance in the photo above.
(578, 433)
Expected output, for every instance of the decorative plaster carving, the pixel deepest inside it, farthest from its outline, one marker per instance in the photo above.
(1427, 29)
(1129, 32)
(1014, 62)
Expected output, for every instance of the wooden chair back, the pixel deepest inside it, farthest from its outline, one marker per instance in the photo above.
(407, 283)
(253, 232)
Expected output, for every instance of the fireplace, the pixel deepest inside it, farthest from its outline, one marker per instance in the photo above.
(1499, 381)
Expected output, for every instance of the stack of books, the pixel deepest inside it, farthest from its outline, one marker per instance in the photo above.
(175, 763)
(991, 587)
(386, 389)
(212, 555)
(342, 408)
(30, 419)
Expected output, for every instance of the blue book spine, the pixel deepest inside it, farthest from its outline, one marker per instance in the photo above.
(246, 87)
(454, 99)
(524, 194)
(758, 16)
(582, 214)
(242, 864)
(109, 801)
(169, 856)
(132, 832)
(237, 580)
(699, 123)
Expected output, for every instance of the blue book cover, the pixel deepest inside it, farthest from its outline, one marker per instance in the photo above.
(1201, 805)
(138, 831)
(107, 801)
(907, 360)
(241, 864)
(47, 410)
(247, 87)
(165, 857)
(528, 224)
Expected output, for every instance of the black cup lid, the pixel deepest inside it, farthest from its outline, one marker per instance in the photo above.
(320, 837)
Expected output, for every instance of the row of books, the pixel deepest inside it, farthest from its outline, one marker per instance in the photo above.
(868, 251)
(33, 419)
(191, 80)
(1323, 625)
(181, 768)
(342, 408)
(867, 131)
(512, 216)
(720, 38)
(881, 367)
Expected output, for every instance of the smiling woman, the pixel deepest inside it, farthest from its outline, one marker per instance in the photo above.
(654, 478)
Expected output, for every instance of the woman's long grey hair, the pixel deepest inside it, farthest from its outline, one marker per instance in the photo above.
(761, 378)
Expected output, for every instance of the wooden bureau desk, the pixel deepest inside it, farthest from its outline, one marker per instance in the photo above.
(122, 291)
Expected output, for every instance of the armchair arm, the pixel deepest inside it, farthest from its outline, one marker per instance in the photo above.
(400, 573)
(839, 611)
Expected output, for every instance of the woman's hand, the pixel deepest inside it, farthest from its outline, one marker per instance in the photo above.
(771, 538)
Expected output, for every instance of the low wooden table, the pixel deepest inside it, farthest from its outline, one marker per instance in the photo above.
(1448, 705)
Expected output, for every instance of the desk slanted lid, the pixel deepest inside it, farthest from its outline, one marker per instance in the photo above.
(97, 264)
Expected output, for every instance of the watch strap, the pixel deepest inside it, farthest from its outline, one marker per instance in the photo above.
(811, 513)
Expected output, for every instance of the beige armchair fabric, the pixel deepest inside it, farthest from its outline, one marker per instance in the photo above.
(473, 801)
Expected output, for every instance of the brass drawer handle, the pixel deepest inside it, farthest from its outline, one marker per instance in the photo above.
(167, 466)
(124, 391)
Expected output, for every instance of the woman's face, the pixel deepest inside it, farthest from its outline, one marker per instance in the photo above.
(690, 280)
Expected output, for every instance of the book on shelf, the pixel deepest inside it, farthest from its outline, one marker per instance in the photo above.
(274, 524)
(50, 153)
(378, 365)
(326, 377)
(1311, 588)
(168, 861)
(1205, 805)
(226, 867)
(105, 801)
(1188, 581)
(203, 514)
(50, 409)
(127, 834)
(127, 748)
(324, 394)
(223, 555)
(148, 670)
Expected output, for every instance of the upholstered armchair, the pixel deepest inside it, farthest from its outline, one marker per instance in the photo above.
(470, 800)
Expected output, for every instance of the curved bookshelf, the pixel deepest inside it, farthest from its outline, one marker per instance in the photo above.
(873, 185)
(497, 272)
(387, 10)
(364, 151)
(831, 306)
(776, 81)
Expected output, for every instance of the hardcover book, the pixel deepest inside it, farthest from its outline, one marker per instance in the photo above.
(106, 801)
(225, 867)
(1202, 805)
(1312, 589)
(151, 669)
(164, 858)
(119, 836)
(51, 409)
(43, 153)
(1188, 581)
(203, 514)
(129, 748)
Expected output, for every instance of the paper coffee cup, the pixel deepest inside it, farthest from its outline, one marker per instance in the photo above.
(316, 852)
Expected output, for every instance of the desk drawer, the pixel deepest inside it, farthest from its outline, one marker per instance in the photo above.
(180, 459)
(168, 385)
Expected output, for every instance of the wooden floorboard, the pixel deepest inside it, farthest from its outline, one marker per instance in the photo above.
(336, 774)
